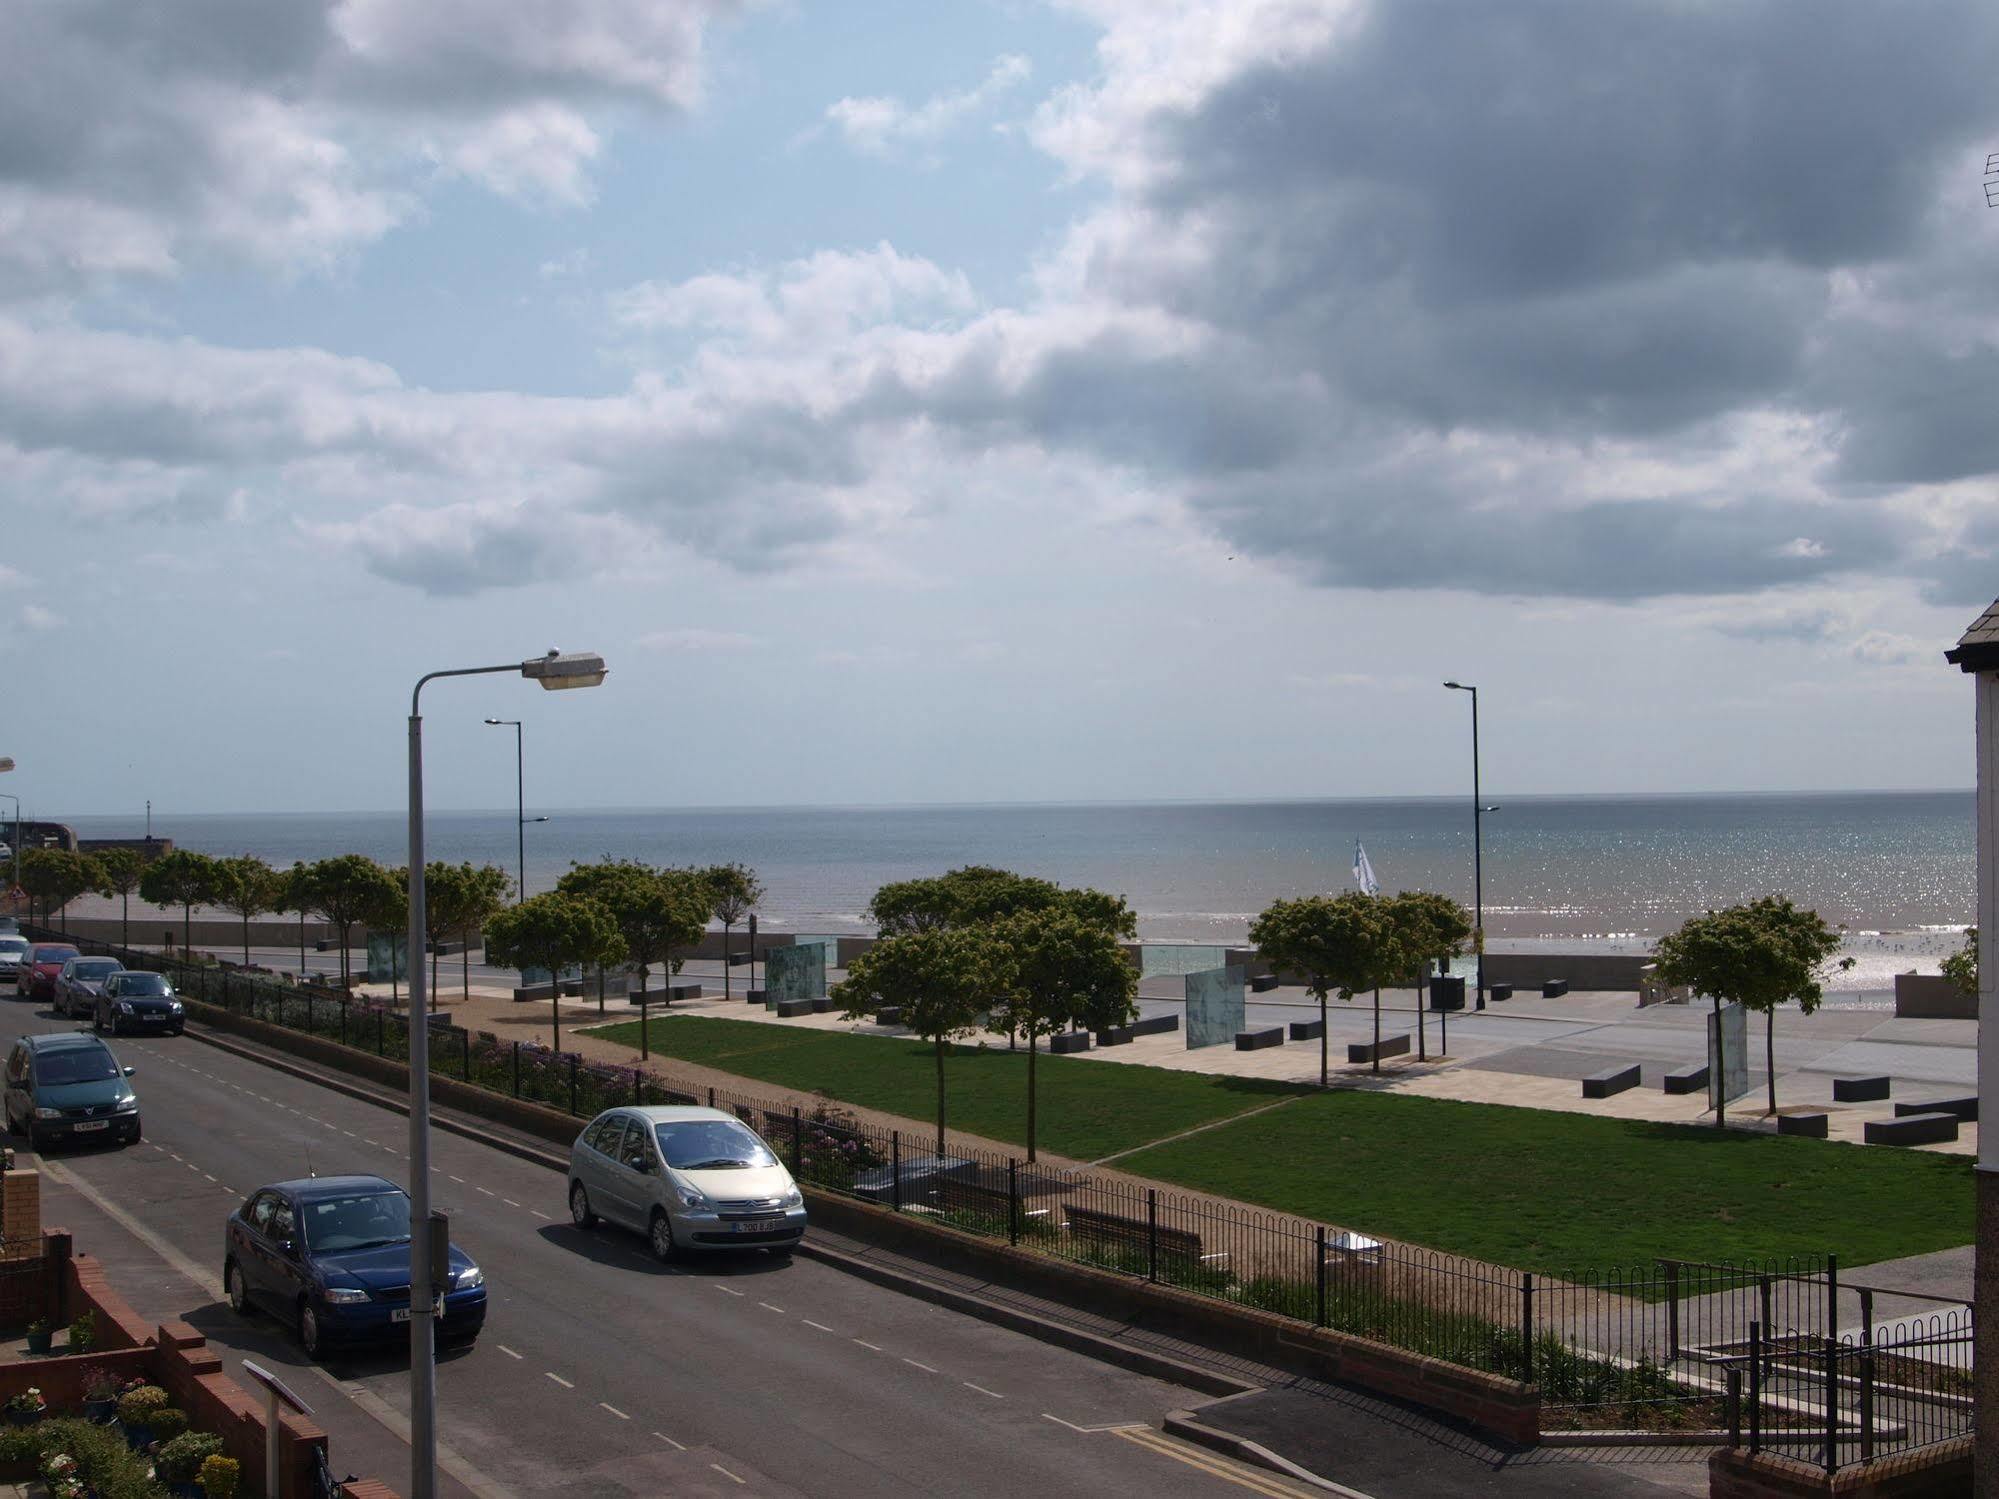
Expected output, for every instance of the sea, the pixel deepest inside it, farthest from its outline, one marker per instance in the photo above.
(1610, 873)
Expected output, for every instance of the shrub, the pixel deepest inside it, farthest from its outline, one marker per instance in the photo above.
(167, 1423)
(83, 1332)
(180, 1460)
(138, 1407)
(218, 1476)
(99, 1383)
(103, 1460)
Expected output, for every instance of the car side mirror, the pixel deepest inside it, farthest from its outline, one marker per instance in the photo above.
(639, 1163)
(130, 1070)
(288, 1248)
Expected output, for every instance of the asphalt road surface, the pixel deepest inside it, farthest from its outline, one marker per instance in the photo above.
(600, 1372)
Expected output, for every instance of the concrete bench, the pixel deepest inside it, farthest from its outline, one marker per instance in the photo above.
(1307, 1030)
(1447, 993)
(528, 993)
(1610, 1081)
(738, 959)
(1554, 988)
(683, 991)
(1499, 991)
(1369, 1051)
(1263, 983)
(1115, 1231)
(1117, 1035)
(823, 1005)
(1259, 1040)
(1155, 1025)
(757, 996)
(1965, 1110)
(1687, 1079)
(1811, 1125)
(791, 1009)
(1065, 1043)
(1859, 1089)
(1912, 1129)
(889, 1015)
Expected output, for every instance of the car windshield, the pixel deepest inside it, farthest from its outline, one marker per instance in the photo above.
(95, 969)
(367, 1220)
(711, 1145)
(54, 954)
(75, 1064)
(143, 986)
(13, 944)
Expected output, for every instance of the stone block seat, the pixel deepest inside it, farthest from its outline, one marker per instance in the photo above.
(1610, 1081)
(1912, 1129)
(1307, 1030)
(1554, 988)
(1859, 1089)
(1259, 1040)
(1065, 1043)
(1499, 992)
(1691, 1079)
(1369, 1051)
(791, 1009)
(1116, 1035)
(889, 1015)
(1155, 1025)
(1963, 1109)
(1263, 983)
(1813, 1126)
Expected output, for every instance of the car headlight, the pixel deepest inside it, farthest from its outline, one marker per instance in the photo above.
(793, 1199)
(692, 1199)
(128, 1105)
(343, 1295)
(48, 1113)
(176, 1007)
(469, 1278)
(124, 1007)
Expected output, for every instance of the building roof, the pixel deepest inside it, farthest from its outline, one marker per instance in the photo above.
(1978, 647)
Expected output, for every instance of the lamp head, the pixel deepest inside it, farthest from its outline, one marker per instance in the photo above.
(1457, 687)
(558, 672)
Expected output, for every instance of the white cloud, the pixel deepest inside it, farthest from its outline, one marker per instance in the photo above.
(694, 641)
(881, 125)
(540, 152)
(35, 617)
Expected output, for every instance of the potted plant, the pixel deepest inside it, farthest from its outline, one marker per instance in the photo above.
(83, 1332)
(100, 1394)
(218, 1476)
(63, 1477)
(136, 1409)
(39, 1336)
(177, 1463)
(168, 1424)
(26, 1408)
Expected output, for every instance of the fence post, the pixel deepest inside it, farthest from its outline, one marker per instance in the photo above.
(1867, 1402)
(711, 1095)
(1526, 1326)
(797, 1143)
(1151, 1234)
(1755, 1386)
(1012, 1200)
(1734, 1402)
(1672, 1269)
(517, 1069)
(572, 1083)
(895, 1169)
(465, 1038)
(1831, 1404)
(1319, 1238)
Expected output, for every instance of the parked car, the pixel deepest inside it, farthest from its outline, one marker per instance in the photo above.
(80, 981)
(14, 952)
(330, 1255)
(132, 1000)
(685, 1178)
(67, 1085)
(37, 979)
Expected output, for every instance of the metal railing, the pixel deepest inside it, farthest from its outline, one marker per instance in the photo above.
(1674, 1345)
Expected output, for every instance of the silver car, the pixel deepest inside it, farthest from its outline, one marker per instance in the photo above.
(80, 982)
(13, 958)
(686, 1178)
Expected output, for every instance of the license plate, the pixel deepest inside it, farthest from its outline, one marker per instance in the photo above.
(94, 1124)
(759, 1225)
(400, 1314)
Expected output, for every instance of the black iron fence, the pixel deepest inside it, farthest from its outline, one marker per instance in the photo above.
(1675, 1345)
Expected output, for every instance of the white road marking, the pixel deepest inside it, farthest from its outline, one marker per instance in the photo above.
(725, 1472)
(820, 1325)
(459, 1179)
(510, 1202)
(1087, 1430)
(489, 1191)
(558, 1379)
(982, 1389)
(539, 1214)
(676, 1446)
(729, 1289)
(613, 1410)
(924, 1367)
(866, 1344)
(506, 1350)
(769, 1308)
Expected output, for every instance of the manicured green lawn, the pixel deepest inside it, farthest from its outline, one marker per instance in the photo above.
(1087, 1109)
(1558, 1192)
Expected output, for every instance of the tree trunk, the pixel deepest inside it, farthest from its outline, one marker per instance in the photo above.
(433, 967)
(1377, 1030)
(555, 1005)
(186, 928)
(1770, 1054)
(940, 1099)
(1422, 1052)
(728, 972)
(465, 965)
(1720, 1070)
(1324, 1076)
(246, 939)
(645, 1052)
(125, 918)
(1031, 1048)
(301, 947)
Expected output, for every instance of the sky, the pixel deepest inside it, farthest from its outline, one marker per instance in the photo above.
(992, 401)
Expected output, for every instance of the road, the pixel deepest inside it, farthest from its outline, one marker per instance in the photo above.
(601, 1372)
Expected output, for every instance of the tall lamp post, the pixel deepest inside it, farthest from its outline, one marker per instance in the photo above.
(521, 807)
(553, 671)
(1477, 847)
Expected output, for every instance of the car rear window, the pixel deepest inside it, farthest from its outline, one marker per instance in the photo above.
(47, 953)
(96, 968)
(13, 944)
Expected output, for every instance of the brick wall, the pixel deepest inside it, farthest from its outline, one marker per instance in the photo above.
(1942, 1471)
(187, 1369)
(21, 1215)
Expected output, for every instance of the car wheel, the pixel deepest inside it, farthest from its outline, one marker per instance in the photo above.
(234, 1290)
(579, 1207)
(180, 1030)
(133, 1138)
(309, 1336)
(660, 1237)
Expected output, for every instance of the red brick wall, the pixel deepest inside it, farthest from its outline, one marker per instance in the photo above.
(188, 1370)
(1942, 1471)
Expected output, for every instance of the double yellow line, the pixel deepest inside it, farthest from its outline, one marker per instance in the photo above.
(1252, 1479)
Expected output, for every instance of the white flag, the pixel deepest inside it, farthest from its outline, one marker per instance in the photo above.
(1363, 872)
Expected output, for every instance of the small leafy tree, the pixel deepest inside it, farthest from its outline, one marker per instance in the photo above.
(388, 915)
(122, 868)
(182, 878)
(941, 979)
(656, 910)
(246, 886)
(1338, 943)
(1429, 927)
(1759, 955)
(481, 894)
(345, 890)
(1961, 967)
(56, 876)
(1054, 969)
(553, 930)
(735, 892)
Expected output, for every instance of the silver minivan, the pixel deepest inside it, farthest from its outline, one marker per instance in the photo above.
(686, 1178)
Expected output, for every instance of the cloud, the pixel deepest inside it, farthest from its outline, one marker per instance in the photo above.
(884, 125)
(35, 617)
(1806, 624)
(694, 641)
(541, 152)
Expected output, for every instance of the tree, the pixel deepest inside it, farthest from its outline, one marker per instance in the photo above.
(387, 914)
(1961, 967)
(1339, 943)
(345, 890)
(1430, 927)
(736, 891)
(553, 930)
(296, 894)
(1054, 969)
(182, 878)
(1758, 955)
(246, 886)
(941, 979)
(482, 893)
(122, 868)
(656, 911)
(56, 876)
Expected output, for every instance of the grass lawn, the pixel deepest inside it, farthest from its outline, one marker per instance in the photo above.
(1087, 1109)
(1557, 1192)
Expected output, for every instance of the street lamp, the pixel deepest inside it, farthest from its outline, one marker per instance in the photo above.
(555, 672)
(1477, 846)
(521, 811)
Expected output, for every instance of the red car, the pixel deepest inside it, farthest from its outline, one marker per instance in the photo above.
(36, 978)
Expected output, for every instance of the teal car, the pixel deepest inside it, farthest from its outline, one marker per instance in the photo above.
(67, 1087)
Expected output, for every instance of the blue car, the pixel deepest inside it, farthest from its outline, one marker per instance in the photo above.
(330, 1256)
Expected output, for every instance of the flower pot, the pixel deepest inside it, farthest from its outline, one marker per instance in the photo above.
(23, 1418)
(100, 1412)
(138, 1438)
(40, 1342)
